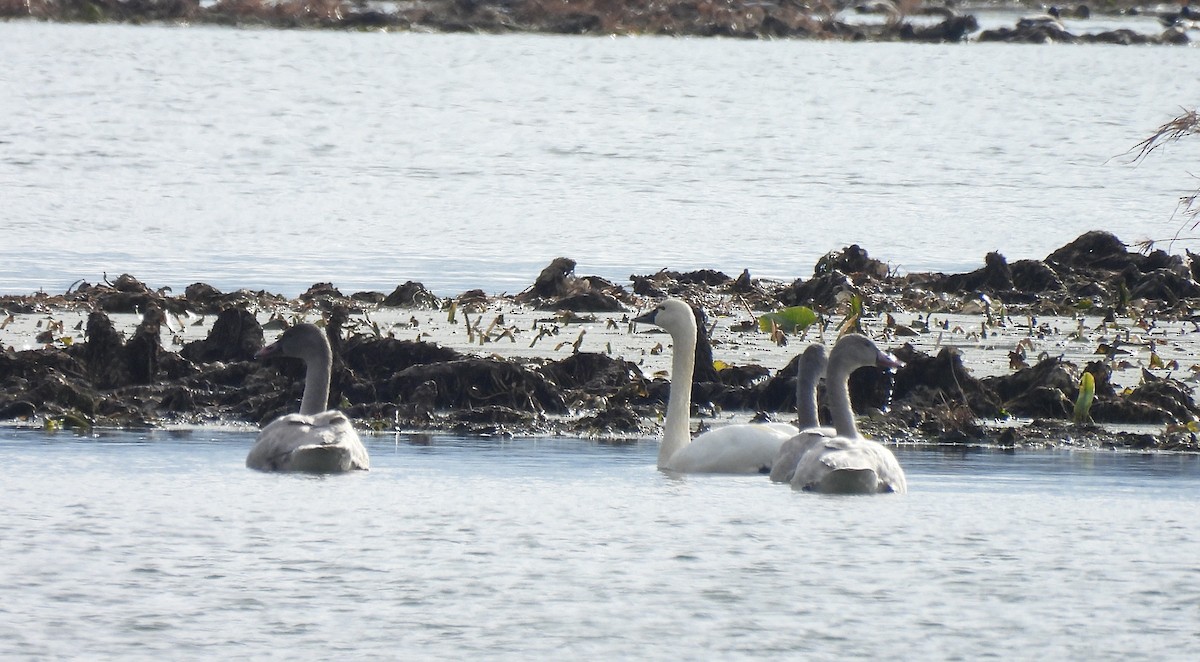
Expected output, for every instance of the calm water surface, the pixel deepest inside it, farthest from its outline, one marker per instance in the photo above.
(140, 545)
(269, 159)
(276, 159)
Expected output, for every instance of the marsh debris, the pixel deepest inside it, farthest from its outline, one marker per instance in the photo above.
(575, 385)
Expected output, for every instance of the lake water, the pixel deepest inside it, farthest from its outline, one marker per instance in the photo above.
(269, 159)
(140, 545)
(276, 159)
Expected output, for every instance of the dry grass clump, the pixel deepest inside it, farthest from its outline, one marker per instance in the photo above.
(1187, 124)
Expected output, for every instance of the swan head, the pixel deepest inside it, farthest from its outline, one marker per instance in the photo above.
(813, 362)
(673, 316)
(859, 351)
(303, 341)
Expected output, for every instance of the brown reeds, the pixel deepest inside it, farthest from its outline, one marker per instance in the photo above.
(1187, 124)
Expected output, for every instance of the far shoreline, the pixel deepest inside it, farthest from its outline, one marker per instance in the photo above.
(868, 21)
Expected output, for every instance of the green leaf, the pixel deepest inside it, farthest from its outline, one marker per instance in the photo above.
(795, 318)
(75, 421)
(1083, 404)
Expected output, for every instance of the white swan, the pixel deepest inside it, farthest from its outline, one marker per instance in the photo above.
(810, 369)
(849, 463)
(742, 448)
(315, 440)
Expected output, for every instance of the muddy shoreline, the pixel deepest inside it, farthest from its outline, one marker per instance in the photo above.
(994, 356)
(870, 20)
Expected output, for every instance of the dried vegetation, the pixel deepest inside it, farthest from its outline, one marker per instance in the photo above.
(818, 19)
(1006, 342)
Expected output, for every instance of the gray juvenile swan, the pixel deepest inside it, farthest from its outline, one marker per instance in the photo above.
(742, 448)
(315, 440)
(810, 369)
(849, 463)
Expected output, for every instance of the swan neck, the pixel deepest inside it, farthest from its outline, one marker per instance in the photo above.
(316, 383)
(806, 402)
(838, 392)
(677, 426)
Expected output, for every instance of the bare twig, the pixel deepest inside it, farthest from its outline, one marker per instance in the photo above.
(1185, 125)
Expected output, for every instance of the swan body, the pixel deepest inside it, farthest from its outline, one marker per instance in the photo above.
(845, 465)
(809, 371)
(314, 440)
(849, 463)
(739, 449)
(323, 444)
(1048, 21)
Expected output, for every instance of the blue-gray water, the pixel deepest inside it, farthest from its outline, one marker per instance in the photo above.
(151, 545)
(276, 159)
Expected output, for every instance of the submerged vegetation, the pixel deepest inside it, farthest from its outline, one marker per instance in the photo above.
(881, 20)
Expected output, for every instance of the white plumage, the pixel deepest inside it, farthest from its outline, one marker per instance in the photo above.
(742, 448)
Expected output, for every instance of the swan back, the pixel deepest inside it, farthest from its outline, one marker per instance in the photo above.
(744, 448)
(783, 469)
(839, 465)
(322, 444)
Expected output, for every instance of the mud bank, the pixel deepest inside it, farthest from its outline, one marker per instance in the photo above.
(749, 19)
(993, 356)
